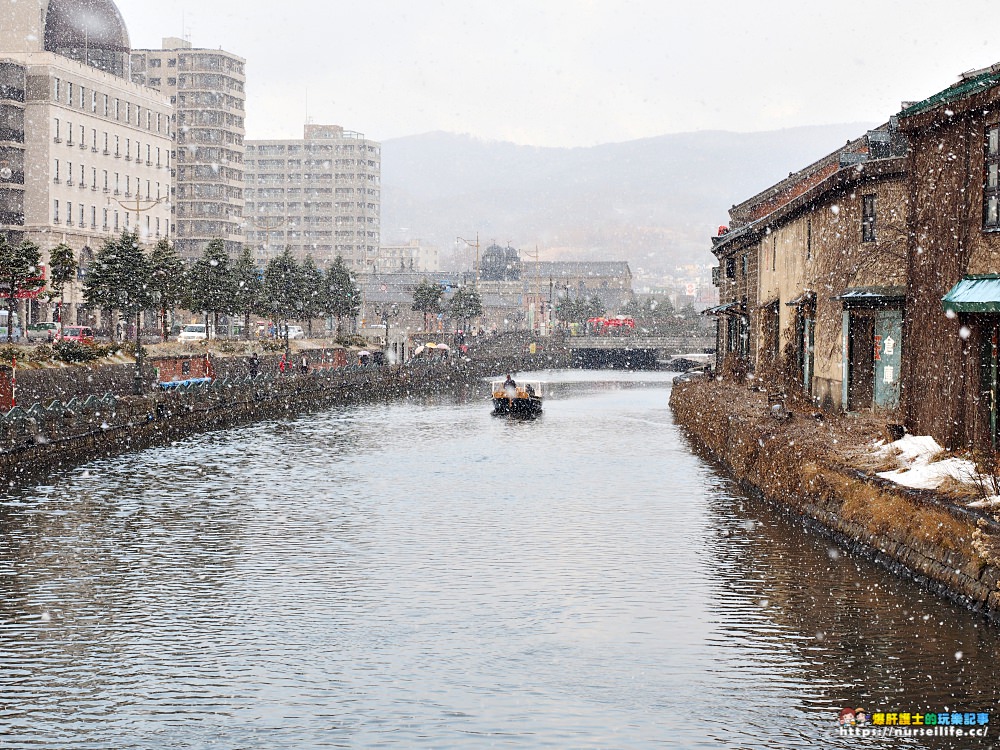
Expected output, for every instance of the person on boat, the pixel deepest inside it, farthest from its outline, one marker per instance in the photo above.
(509, 382)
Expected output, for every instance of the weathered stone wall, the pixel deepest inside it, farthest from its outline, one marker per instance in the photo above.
(36, 439)
(948, 548)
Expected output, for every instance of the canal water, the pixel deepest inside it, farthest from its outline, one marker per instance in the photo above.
(420, 574)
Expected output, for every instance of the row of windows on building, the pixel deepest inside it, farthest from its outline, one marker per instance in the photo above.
(209, 117)
(112, 107)
(286, 164)
(212, 99)
(199, 190)
(199, 61)
(189, 135)
(267, 177)
(213, 172)
(189, 82)
(78, 137)
(194, 154)
(868, 234)
(208, 208)
(111, 219)
(275, 149)
(208, 228)
(64, 171)
(294, 193)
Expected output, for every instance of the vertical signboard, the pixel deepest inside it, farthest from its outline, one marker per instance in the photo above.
(888, 340)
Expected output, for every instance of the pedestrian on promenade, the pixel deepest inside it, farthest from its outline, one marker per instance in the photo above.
(254, 365)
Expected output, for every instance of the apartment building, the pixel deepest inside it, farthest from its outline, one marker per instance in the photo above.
(318, 196)
(206, 87)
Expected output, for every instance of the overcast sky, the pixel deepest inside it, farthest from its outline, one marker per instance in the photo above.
(564, 73)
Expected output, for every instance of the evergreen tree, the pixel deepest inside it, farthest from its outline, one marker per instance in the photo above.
(19, 272)
(212, 283)
(427, 299)
(118, 279)
(249, 287)
(62, 270)
(167, 281)
(466, 304)
(313, 291)
(343, 299)
(593, 308)
(283, 289)
(660, 307)
(568, 310)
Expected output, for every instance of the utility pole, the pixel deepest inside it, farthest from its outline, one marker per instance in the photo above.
(538, 291)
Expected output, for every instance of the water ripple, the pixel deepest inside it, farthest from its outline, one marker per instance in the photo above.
(419, 574)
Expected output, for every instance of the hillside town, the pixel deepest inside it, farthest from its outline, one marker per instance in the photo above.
(102, 139)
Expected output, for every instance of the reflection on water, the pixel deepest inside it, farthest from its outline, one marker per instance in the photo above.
(422, 574)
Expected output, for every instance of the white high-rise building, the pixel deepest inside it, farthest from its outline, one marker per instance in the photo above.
(206, 87)
(318, 196)
(84, 152)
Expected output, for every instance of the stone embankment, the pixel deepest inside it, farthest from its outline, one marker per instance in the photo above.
(810, 466)
(52, 434)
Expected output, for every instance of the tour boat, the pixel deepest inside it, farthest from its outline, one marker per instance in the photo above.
(521, 399)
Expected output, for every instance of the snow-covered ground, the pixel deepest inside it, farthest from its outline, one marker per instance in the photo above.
(917, 465)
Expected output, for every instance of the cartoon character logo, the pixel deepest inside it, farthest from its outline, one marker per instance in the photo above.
(860, 717)
(846, 718)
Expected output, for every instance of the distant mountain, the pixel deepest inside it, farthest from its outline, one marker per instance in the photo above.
(654, 202)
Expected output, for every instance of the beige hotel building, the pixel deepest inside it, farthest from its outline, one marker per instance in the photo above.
(84, 152)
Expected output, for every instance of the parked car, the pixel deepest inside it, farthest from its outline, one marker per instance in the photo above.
(43, 332)
(193, 332)
(296, 332)
(79, 334)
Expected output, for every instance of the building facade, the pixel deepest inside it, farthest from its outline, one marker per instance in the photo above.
(318, 196)
(409, 256)
(812, 276)
(206, 87)
(84, 152)
(953, 296)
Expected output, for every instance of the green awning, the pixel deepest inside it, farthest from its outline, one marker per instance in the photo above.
(974, 294)
(872, 296)
(724, 309)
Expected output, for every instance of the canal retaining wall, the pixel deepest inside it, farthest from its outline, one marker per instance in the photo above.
(56, 434)
(797, 465)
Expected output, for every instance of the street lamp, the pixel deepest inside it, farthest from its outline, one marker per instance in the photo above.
(259, 225)
(388, 311)
(139, 205)
(475, 245)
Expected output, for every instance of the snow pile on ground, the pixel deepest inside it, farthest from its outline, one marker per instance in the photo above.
(917, 467)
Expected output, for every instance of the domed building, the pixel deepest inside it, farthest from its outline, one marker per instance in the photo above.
(500, 264)
(89, 31)
(84, 152)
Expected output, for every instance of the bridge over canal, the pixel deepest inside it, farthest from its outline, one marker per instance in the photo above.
(634, 352)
